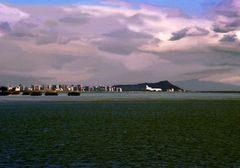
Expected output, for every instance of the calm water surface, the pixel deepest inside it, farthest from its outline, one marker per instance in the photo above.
(126, 96)
(115, 130)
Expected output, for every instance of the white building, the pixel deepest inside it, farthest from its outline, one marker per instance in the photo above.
(153, 89)
(10, 87)
(18, 88)
(171, 90)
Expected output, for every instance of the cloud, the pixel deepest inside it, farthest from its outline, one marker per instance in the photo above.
(227, 16)
(7, 79)
(74, 20)
(228, 78)
(123, 41)
(139, 19)
(5, 27)
(118, 3)
(225, 27)
(222, 28)
(229, 38)
(179, 35)
(8, 17)
(10, 14)
(227, 13)
(118, 42)
(189, 32)
(166, 12)
(118, 47)
(126, 33)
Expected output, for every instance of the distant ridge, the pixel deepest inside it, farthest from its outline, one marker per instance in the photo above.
(164, 85)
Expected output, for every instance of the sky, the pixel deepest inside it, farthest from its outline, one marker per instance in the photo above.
(194, 44)
(195, 7)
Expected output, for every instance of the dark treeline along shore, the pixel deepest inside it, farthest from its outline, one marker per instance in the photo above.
(164, 133)
(5, 92)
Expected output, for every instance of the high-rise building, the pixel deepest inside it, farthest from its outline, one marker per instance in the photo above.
(36, 87)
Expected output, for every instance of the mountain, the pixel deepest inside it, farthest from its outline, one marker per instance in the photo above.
(164, 85)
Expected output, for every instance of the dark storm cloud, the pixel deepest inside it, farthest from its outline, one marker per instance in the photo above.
(198, 32)
(222, 29)
(5, 27)
(227, 27)
(179, 35)
(229, 38)
(187, 32)
(227, 16)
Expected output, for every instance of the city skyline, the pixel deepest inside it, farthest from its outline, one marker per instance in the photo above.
(192, 43)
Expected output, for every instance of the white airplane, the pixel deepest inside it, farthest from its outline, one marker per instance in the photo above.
(153, 89)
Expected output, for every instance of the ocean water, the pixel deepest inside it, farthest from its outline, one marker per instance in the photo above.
(127, 96)
(120, 130)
